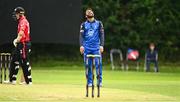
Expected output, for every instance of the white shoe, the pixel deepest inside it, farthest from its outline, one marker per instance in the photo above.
(30, 83)
(90, 85)
(100, 85)
(6, 82)
(13, 82)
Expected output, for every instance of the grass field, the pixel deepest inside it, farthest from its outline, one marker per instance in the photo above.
(53, 85)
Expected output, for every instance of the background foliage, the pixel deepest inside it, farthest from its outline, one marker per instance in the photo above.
(135, 23)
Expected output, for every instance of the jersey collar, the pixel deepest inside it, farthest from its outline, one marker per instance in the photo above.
(22, 17)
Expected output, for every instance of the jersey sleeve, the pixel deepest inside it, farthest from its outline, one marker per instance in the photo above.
(101, 34)
(81, 34)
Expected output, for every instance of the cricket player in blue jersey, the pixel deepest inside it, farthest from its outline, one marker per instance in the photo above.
(92, 42)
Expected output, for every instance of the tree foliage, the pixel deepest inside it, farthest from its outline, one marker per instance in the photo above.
(135, 23)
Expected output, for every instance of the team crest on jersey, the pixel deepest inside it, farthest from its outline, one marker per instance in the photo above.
(90, 32)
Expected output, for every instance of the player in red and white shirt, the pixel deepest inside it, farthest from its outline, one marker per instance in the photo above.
(22, 45)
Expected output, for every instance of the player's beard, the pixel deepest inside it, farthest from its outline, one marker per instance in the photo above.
(89, 17)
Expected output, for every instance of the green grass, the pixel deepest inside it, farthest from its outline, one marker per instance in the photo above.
(52, 84)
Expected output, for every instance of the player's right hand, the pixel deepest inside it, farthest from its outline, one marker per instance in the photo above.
(81, 49)
(15, 42)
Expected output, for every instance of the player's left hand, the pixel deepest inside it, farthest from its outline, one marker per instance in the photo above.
(101, 49)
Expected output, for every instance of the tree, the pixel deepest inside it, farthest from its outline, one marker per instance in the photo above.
(135, 23)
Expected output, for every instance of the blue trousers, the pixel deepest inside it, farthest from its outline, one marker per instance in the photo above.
(148, 62)
(90, 62)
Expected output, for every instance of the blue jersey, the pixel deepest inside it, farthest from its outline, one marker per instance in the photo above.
(92, 35)
(151, 55)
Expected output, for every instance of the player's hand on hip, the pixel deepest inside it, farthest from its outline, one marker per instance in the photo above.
(15, 42)
(101, 49)
(81, 49)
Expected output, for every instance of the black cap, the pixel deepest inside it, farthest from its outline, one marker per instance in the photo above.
(19, 10)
